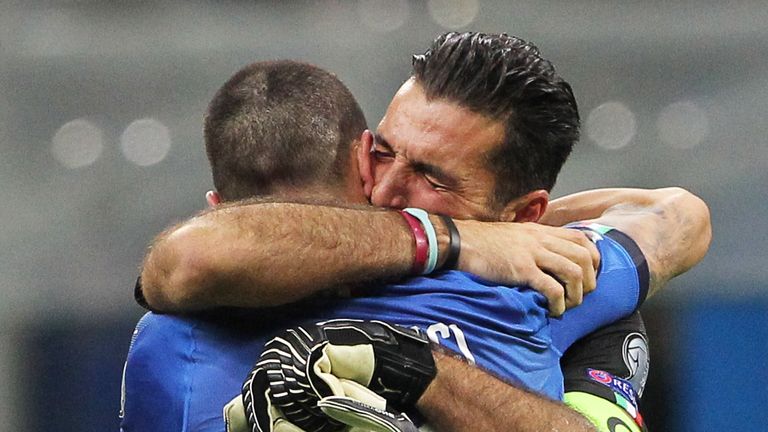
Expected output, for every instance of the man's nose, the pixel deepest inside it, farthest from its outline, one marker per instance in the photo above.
(392, 190)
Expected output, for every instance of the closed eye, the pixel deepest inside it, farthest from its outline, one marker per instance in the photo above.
(434, 184)
(378, 154)
(380, 150)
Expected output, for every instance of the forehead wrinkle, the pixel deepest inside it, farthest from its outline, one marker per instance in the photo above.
(442, 116)
(432, 147)
(424, 130)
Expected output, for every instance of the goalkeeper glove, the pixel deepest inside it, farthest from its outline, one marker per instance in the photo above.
(264, 416)
(385, 367)
(365, 417)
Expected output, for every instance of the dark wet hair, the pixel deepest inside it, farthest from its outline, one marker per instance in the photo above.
(506, 78)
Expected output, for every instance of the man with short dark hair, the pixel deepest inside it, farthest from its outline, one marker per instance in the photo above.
(506, 80)
(403, 171)
(259, 155)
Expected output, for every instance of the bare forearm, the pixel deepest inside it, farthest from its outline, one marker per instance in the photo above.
(671, 226)
(464, 398)
(266, 254)
(674, 232)
(592, 204)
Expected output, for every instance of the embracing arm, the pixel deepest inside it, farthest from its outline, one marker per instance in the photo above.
(382, 366)
(266, 254)
(464, 398)
(671, 225)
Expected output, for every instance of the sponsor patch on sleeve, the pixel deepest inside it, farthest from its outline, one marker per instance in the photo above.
(624, 394)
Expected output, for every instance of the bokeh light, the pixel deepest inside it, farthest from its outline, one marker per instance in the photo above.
(77, 144)
(682, 125)
(611, 125)
(145, 142)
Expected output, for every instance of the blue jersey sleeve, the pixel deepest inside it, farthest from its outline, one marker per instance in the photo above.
(622, 285)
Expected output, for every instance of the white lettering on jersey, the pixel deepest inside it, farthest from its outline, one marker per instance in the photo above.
(444, 332)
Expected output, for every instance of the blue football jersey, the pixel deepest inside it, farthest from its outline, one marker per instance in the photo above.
(181, 371)
(622, 286)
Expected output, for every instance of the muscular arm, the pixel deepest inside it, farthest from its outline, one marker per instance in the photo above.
(266, 254)
(671, 225)
(464, 398)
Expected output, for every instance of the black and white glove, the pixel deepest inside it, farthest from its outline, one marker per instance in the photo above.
(264, 417)
(363, 417)
(371, 368)
(356, 415)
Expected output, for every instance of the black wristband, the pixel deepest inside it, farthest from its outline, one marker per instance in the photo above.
(454, 247)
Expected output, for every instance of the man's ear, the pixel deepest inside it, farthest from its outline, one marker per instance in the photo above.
(212, 198)
(365, 163)
(528, 208)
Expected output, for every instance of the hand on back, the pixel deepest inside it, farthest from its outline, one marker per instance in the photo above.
(560, 263)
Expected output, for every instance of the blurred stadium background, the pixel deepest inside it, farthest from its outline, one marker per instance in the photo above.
(100, 148)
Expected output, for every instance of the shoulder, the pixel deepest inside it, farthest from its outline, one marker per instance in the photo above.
(620, 257)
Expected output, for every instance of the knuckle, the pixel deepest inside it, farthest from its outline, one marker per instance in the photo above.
(546, 290)
(584, 254)
(552, 291)
(582, 240)
(575, 236)
(573, 272)
(527, 268)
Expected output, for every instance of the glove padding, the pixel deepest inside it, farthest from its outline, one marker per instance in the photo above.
(365, 417)
(385, 367)
(264, 417)
(358, 416)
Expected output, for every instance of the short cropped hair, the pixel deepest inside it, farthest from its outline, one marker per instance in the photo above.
(280, 123)
(505, 78)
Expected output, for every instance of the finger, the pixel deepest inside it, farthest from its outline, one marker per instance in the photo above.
(297, 403)
(235, 419)
(565, 272)
(574, 292)
(582, 238)
(595, 255)
(575, 250)
(554, 292)
(590, 278)
(295, 399)
(588, 243)
(256, 400)
(591, 266)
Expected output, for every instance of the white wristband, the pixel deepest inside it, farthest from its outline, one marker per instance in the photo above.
(423, 217)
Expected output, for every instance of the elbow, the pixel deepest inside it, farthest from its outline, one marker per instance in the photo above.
(704, 224)
(178, 291)
(176, 279)
(695, 216)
